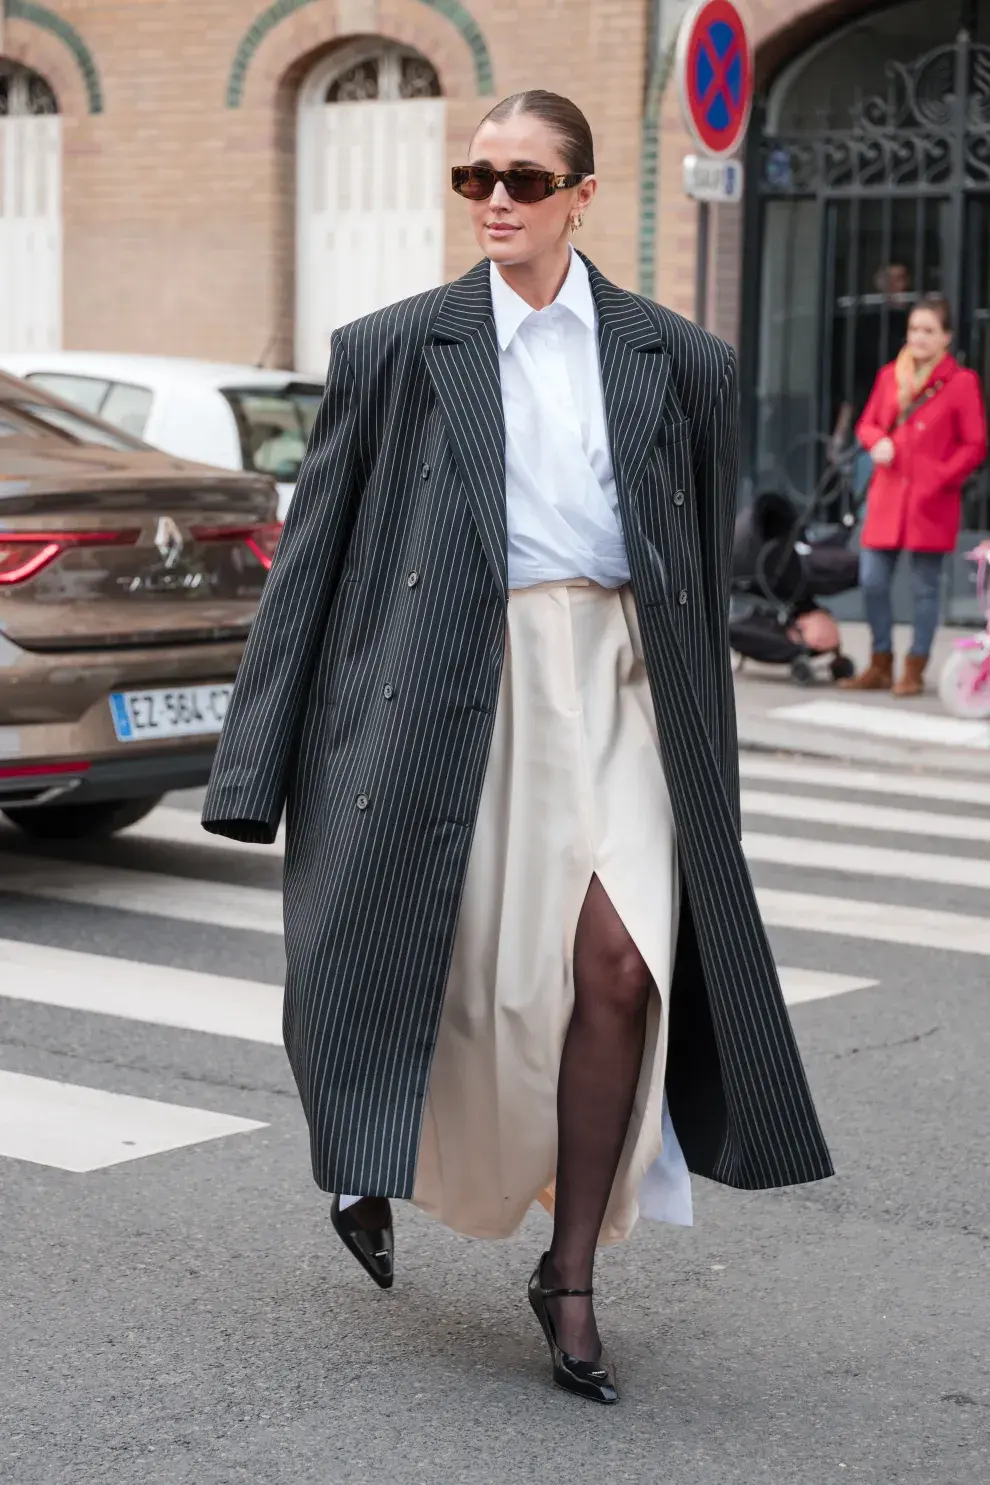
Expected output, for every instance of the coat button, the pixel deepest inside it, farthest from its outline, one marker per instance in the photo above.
(387, 692)
(425, 471)
(412, 580)
(678, 497)
(682, 597)
(362, 801)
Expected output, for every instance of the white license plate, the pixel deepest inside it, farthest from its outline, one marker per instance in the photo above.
(183, 711)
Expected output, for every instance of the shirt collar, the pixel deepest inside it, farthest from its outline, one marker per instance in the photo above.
(511, 311)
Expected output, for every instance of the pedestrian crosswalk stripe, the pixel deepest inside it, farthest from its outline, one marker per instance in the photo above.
(159, 994)
(800, 985)
(870, 861)
(259, 909)
(851, 716)
(182, 827)
(189, 1000)
(973, 792)
(83, 1129)
(221, 904)
(860, 816)
(882, 922)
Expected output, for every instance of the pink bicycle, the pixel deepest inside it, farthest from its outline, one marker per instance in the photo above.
(964, 685)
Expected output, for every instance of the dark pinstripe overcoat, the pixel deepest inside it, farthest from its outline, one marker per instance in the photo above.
(366, 699)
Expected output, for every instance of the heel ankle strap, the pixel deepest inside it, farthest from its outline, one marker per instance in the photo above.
(558, 1293)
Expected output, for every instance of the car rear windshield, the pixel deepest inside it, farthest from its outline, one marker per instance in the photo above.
(274, 426)
(40, 418)
(121, 403)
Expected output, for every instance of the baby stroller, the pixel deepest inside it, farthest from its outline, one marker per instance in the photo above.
(784, 561)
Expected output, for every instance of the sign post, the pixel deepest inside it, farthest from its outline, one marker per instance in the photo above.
(715, 82)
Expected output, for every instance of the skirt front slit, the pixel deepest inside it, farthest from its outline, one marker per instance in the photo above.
(574, 788)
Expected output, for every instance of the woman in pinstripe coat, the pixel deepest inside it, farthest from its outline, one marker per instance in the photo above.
(489, 682)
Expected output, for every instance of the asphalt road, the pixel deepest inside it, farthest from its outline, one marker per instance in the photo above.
(187, 1317)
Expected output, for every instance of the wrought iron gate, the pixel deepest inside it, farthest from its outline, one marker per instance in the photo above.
(850, 226)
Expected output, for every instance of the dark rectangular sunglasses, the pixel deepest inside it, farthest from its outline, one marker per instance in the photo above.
(524, 184)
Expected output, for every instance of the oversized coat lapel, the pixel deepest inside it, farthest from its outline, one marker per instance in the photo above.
(635, 372)
(462, 359)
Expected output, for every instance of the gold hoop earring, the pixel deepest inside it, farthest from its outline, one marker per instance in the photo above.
(577, 221)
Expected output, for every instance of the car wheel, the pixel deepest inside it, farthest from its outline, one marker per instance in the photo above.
(81, 821)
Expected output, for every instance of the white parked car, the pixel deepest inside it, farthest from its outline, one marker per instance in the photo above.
(236, 417)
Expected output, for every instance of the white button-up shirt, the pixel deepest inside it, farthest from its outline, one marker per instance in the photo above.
(561, 503)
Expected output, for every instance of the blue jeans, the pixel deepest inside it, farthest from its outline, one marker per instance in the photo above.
(876, 574)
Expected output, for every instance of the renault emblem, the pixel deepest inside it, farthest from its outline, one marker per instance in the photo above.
(168, 540)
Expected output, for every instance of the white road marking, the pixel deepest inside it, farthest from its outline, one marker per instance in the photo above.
(221, 904)
(869, 861)
(863, 780)
(83, 1129)
(800, 985)
(154, 993)
(903, 725)
(161, 995)
(182, 827)
(860, 816)
(880, 922)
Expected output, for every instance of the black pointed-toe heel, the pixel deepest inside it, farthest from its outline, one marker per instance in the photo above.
(374, 1250)
(591, 1379)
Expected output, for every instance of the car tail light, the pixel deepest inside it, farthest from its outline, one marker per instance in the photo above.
(23, 553)
(261, 539)
(42, 770)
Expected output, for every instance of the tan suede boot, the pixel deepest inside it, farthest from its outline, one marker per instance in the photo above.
(912, 681)
(878, 675)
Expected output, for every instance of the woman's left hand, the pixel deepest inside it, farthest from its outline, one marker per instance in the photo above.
(883, 451)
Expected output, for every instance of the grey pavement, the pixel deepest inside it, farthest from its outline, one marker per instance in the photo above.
(189, 1318)
(762, 691)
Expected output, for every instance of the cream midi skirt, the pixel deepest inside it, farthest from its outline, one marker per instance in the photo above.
(574, 787)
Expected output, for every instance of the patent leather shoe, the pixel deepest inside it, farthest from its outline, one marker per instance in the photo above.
(373, 1249)
(591, 1379)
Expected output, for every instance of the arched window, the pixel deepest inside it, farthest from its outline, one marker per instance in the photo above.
(370, 192)
(24, 93)
(388, 74)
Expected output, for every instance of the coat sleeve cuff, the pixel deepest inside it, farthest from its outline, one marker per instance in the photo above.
(257, 831)
(239, 821)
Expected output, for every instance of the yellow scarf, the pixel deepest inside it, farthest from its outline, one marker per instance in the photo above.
(909, 379)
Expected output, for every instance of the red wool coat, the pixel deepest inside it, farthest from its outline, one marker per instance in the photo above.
(915, 503)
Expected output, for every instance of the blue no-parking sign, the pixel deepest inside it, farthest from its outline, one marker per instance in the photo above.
(715, 76)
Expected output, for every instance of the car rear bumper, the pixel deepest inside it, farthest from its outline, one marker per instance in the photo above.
(57, 738)
(111, 778)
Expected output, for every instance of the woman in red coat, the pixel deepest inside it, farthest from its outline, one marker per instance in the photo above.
(925, 429)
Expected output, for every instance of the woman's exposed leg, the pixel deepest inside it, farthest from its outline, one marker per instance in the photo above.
(599, 1073)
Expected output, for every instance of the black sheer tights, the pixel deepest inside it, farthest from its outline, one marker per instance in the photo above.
(599, 1072)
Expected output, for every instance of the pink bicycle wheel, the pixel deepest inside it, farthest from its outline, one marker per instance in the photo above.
(964, 685)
